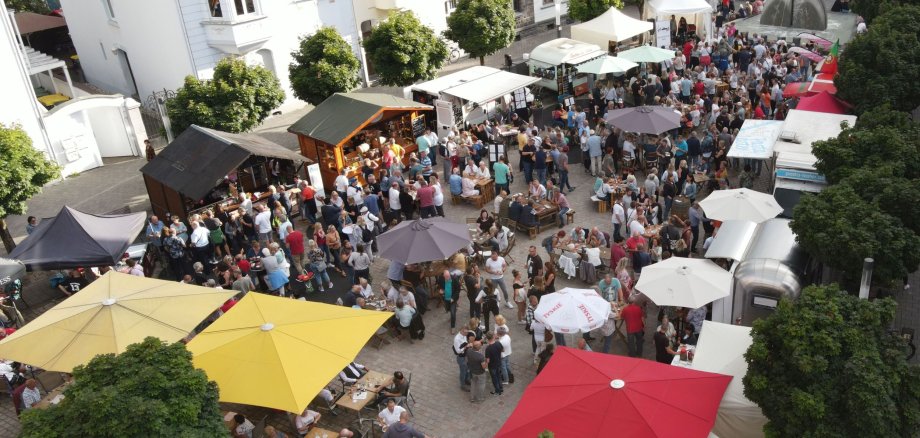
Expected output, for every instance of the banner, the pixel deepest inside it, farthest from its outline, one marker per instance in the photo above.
(663, 34)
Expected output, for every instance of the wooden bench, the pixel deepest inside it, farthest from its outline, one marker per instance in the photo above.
(601, 204)
(456, 199)
(474, 200)
(531, 231)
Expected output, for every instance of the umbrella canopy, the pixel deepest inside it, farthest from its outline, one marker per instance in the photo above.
(294, 347)
(572, 310)
(823, 102)
(592, 394)
(721, 349)
(741, 204)
(607, 64)
(108, 315)
(10, 271)
(423, 240)
(644, 119)
(647, 54)
(796, 89)
(684, 282)
(806, 53)
(822, 82)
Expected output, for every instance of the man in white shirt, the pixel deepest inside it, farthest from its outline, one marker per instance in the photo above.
(393, 195)
(199, 242)
(618, 217)
(495, 267)
(30, 395)
(245, 203)
(341, 184)
(263, 222)
(355, 193)
(305, 421)
(505, 340)
(629, 149)
(390, 415)
(352, 372)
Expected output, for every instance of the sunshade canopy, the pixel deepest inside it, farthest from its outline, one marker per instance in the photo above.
(113, 312)
(29, 22)
(588, 394)
(491, 87)
(423, 240)
(644, 119)
(721, 349)
(200, 158)
(607, 64)
(740, 204)
(565, 51)
(279, 353)
(822, 82)
(756, 139)
(75, 239)
(795, 89)
(572, 310)
(647, 54)
(612, 25)
(806, 53)
(684, 282)
(663, 7)
(822, 102)
(342, 114)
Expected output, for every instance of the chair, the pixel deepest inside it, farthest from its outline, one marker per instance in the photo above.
(507, 252)
(471, 220)
(260, 428)
(601, 204)
(404, 400)
(651, 160)
(629, 163)
(570, 216)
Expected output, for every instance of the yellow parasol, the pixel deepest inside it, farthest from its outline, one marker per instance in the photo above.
(108, 315)
(278, 353)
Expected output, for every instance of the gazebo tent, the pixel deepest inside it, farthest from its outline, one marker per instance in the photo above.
(611, 26)
(696, 12)
(75, 239)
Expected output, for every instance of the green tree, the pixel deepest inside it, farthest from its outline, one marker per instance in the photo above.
(840, 229)
(150, 390)
(585, 10)
(236, 99)
(880, 66)
(36, 6)
(825, 365)
(404, 51)
(481, 27)
(869, 9)
(323, 65)
(23, 173)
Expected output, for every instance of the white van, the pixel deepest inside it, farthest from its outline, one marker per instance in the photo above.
(795, 174)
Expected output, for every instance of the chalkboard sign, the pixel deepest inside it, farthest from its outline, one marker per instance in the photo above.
(418, 126)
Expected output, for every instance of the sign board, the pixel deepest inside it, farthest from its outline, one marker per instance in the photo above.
(756, 139)
(801, 175)
(316, 179)
(445, 116)
(495, 151)
(663, 34)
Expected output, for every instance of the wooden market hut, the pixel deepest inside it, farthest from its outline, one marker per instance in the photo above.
(332, 133)
(205, 168)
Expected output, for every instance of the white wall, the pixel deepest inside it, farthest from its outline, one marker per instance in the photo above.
(543, 12)
(341, 15)
(150, 32)
(73, 141)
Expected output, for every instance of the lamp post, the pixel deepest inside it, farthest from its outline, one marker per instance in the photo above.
(558, 7)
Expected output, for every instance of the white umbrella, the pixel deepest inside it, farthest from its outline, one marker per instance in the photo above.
(607, 64)
(572, 310)
(684, 282)
(647, 54)
(740, 204)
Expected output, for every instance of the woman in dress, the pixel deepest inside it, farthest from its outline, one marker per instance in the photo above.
(549, 277)
(520, 294)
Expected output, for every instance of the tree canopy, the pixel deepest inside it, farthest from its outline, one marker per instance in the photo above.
(481, 27)
(23, 172)
(584, 10)
(404, 51)
(236, 99)
(869, 9)
(880, 66)
(150, 390)
(36, 6)
(825, 365)
(323, 65)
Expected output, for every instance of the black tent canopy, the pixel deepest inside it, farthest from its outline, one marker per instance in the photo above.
(75, 239)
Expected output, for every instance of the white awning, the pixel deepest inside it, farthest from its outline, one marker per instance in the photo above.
(732, 240)
(756, 139)
(612, 25)
(490, 87)
(435, 86)
(565, 51)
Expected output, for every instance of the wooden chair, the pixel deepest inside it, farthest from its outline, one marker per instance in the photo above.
(507, 252)
(570, 216)
(456, 199)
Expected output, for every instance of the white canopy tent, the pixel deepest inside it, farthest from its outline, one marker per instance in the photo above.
(490, 87)
(565, 51)
(696, 12)
(721, 349)
(611, 26)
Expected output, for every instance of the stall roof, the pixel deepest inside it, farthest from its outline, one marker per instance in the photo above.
(612, 25)
(565, 51)
(200, 158)
(491, 87)
(732, 240)
(755, 139)
(339, 116)
(435, 86)
(29, 22)
(807, 127)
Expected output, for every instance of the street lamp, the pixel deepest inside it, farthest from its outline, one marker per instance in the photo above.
(558, 7)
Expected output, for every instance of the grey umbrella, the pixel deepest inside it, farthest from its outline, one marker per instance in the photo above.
(644, 119)
(423, 240)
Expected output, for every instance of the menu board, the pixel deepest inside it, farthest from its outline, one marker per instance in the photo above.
(418, 125)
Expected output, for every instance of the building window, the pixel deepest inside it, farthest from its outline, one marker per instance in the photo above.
(107, 5)
(449, 6)
(518, 7)
(244, 7)
(214, 8)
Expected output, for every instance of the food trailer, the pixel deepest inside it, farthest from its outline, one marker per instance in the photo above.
(348, 128)
(205, 168)
(556, 63)
(473, 95)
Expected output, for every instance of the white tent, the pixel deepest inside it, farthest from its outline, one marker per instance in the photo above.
(612, 25)
(696, 12)
(720, 349)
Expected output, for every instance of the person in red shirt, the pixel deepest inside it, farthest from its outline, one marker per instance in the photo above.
(617, 251)
(307, 202)
(425, 197)
(635, 327)
(294, 240)
(243, 264)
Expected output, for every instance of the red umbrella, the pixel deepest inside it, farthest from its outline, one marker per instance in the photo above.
(822, 82)
(581, 393)
(823, 102)
(796, 89)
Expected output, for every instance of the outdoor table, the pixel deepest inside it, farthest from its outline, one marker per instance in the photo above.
(546, 211)
(317, 432)
(700, 177)
(52, 398)
(373, 381)
(683, 363)
(486, 188)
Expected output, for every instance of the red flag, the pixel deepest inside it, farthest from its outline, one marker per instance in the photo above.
(830, 63)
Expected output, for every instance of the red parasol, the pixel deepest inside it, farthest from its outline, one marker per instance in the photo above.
(582, 393)
(822, 82)
(796, 89)
(823, 102)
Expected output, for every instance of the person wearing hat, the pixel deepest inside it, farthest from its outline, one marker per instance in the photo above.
(355, 192)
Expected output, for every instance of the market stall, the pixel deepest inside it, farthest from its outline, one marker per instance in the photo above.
(556, 64)
(609, 28)
(474, 95)
(205, 168)
(348, 128)
(694, 17)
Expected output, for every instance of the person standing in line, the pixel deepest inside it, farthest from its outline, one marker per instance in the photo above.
(462, 342)
(476, 362)
(494, 362)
